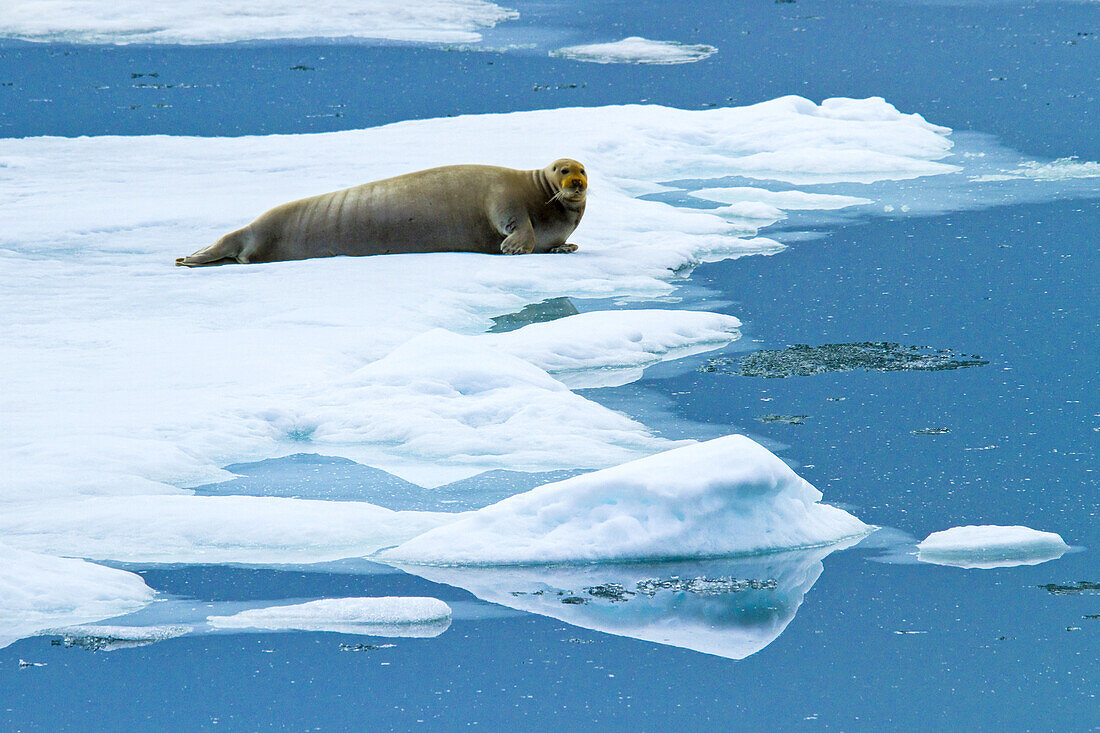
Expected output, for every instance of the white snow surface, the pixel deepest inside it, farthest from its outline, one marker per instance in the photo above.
(387, 616)
(39, 592)
(637, 50)
(226, 21)
(991, 546)
(728, 496)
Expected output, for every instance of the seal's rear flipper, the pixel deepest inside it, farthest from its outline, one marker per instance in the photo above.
(223, 252)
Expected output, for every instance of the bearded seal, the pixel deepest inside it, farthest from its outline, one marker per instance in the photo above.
(458, 208)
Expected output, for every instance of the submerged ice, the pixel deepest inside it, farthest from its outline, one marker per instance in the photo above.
(387, 616)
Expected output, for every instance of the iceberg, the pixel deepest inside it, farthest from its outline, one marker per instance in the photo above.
(162, 21)
(637, 50)
(725, 497)
(388, 616)
(990, 546)
(729, 608)
(38, 592)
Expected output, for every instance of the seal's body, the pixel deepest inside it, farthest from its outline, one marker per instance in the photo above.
(460, 208)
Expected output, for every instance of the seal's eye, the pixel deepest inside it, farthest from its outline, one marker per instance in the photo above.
(565, 171)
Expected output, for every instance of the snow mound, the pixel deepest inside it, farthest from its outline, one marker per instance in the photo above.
(388, 616)
(990, 546)
(728, 496)
(206, 21)
(39, 592)
(451, 397)
(636, 50)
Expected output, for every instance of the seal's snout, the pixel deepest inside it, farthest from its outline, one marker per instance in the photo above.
(576, 182)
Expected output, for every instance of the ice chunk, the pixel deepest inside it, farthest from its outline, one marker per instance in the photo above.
(727, 496)
(163, 21)
(39, 591)
(389, 616)
(608, 348)
(636, 50)
(990, 546)
(730, 608)
(245, 529)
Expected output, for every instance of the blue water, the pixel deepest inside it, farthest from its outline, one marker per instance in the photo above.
(876, 644)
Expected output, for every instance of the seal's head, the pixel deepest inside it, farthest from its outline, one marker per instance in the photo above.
(568, 179)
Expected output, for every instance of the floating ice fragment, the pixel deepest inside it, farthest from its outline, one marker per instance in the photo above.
(636, 50)
(728, 496)
(389, 616)
(990, 546)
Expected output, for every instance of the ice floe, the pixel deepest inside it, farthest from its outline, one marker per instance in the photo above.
(388, 616)
(728, 496)
(40, 591)
(637, 50)
(730, 608)
(163, 21)
(129, 376)
(216, 529)
(991, 546)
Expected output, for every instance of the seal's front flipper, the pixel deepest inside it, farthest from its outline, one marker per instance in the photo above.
(520, 239)
(561, 248)
(225, 250)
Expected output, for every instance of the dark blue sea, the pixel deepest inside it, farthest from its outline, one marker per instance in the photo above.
(878, 641)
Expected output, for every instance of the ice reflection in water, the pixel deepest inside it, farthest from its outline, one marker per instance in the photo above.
(728, 607)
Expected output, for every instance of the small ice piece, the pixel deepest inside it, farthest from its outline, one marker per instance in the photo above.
(387, 616)
(990, 546)
(728, 496)
(637, 50)
(40, 591)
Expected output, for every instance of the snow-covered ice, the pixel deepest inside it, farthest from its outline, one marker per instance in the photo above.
(39, 592)
(728, 496)
(991, 546)
(226, 21)
(388, 616)
(609, 348)
(234, 364)
(729, 608)
(216, 529)
(637, 50)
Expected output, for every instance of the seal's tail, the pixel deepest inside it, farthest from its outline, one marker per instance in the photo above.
(224, 251)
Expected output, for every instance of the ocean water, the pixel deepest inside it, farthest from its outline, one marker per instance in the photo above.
(864, 638)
